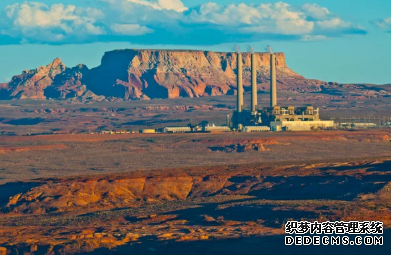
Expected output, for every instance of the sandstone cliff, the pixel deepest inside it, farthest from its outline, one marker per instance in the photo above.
(31, 84)
(52, 81)
(172, 74)
(148, 74)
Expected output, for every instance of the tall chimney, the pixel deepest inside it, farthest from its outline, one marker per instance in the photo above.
(240, 89)
(253, 107)
(273, 80)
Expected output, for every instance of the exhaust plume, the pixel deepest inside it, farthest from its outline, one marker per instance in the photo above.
(237, 48)
(270, 50)
(251, 49)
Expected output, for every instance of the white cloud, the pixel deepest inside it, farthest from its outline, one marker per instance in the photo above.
(174, 5)
(39, 15)
(337, 26)
(33, 20)
(383, 24)
(333, 23)
(130, 29)
(229, 15)
(207, 23)
(295, 27)
(279, 18)
(308, 38)
(315, 11)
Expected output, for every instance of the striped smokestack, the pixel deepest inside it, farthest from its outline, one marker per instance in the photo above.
(273, 80)
(240, 89)
(253, 107)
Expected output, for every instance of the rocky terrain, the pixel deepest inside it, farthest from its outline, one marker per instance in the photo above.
(150, 74)
(90, 193)
(223, 193)
(208, 210)
(31, 157)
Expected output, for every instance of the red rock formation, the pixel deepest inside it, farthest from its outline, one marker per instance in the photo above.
(172, 74)
(31, 84)
(68, 83)
(144, 74)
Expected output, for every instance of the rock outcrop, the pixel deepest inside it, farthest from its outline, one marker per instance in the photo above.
(142, 188)
(31, 84)
(68, 83)
(171, 74)
(148, 74)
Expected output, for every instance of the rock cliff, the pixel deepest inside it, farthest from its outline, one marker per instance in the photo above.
(171, 74)
(32, 83)
(148, 74)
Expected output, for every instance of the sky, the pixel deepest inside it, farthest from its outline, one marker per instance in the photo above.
(346, 41)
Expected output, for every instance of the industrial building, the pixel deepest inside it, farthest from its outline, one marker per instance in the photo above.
(275, 117)
(214, 128)
(205, 128)
(249, 129)
(358, 125)
(177, 129)
(147, 131)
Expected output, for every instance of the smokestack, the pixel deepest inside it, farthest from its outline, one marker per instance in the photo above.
(254, 85)
(240, 89)
(273, 80)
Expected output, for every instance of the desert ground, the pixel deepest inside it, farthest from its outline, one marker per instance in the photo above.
(31, 157)
(22, 117)
(67, 189)
(217, 193)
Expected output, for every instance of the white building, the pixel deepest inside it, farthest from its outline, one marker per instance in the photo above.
(359, 125)
(256, 129)
(288, 125)
(177, 129)
(213, 128)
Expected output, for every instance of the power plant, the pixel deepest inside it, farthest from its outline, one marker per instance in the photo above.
(240, 88)
(259, 119)
(273, 80)
(274, 118)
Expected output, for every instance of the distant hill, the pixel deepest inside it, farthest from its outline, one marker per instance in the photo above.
(149, 74)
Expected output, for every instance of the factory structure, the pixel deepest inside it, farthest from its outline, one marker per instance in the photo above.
(274, 117)
(260, 119)
(255, 118)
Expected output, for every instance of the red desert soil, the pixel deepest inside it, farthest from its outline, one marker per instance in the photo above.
(92, 154)
(323, 135)
(128, 211)
(27, 148)
(67, 138)
(186, 193)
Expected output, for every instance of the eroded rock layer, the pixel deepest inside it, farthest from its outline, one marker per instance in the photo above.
(150, 74)
(144, 74)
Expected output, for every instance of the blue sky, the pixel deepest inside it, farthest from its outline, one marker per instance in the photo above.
(345, 41)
